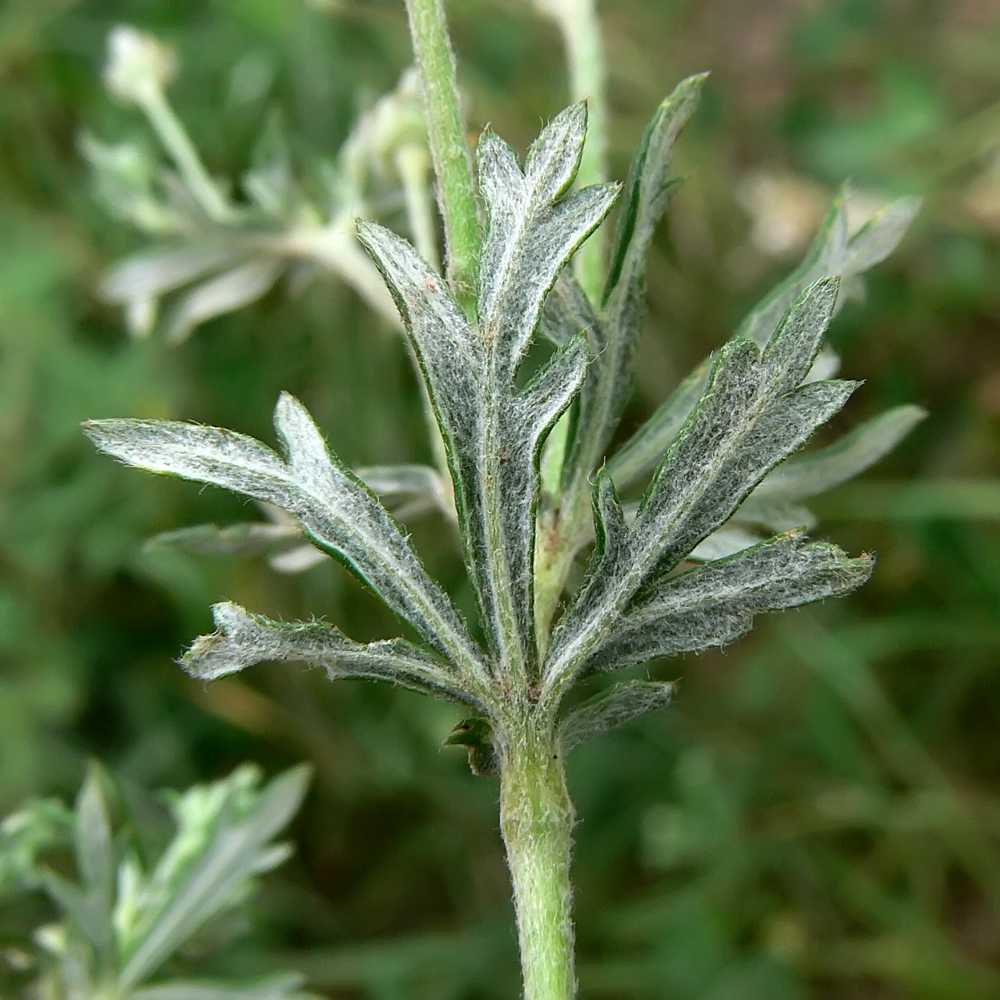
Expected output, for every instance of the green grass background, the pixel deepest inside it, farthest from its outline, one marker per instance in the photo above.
(817, 816)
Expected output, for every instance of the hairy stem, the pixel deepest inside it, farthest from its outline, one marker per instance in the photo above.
(449, 148)
(536, 818)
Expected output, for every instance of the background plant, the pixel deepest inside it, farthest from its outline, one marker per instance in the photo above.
(863, 702)
(137, 903)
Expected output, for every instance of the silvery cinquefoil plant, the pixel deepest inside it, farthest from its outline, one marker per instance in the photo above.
(715, 537)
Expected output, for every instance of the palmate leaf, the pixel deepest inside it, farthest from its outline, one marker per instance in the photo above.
(753, 413)
(492, 431)
(243, 639)
(337, 512)
(832, 253)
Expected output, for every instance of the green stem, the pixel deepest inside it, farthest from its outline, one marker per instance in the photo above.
(581, 31)
(182, 151)
(536, 818)
(449, 148)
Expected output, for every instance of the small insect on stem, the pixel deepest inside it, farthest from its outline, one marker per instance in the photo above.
(432, 285)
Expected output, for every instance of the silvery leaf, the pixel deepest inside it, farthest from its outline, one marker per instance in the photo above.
(243, 639)
(619, 703)
(491, 430)
(716, 603)
(753, 413)
(337, 512)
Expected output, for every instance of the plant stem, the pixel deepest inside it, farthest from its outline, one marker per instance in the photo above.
(536, 818)
(581, 31)
(449, 148)
(182, 151)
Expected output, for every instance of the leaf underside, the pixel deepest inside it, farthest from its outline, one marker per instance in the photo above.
(753, 413)
(335, 509)
(243, 639)
(492, 431)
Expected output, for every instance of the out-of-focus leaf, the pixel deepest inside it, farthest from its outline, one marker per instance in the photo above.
(723, 543)
(24, 835)
(280, 987)
(832, 254)
(269, 181)
(223, 294)
(231, 855)
(825, 468)
(153, 272)
(95, 858)
(409, 491)
(250, 538)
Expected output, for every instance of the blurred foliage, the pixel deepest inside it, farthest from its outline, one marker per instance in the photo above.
(137, 908)
(817, 813)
